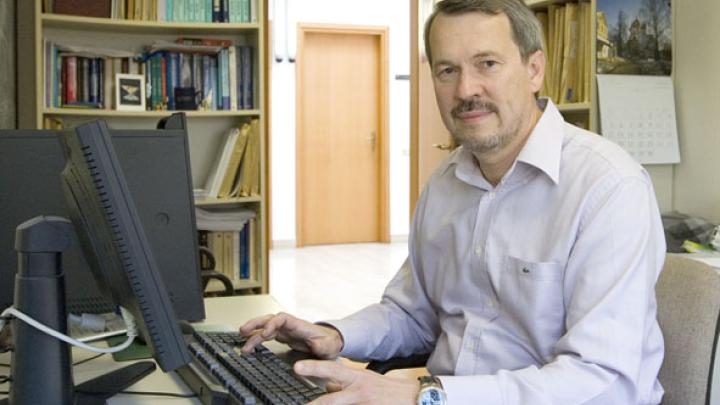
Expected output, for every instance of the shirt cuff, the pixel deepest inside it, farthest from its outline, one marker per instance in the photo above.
(349, 331)
(472, 389)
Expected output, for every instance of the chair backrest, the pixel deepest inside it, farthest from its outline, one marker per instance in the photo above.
(688, 299)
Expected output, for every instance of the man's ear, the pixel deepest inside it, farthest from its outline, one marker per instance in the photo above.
(536, 70)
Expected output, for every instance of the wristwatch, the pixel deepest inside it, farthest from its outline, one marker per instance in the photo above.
(431, 391)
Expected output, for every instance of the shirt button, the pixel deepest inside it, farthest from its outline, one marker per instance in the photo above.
(478, 250)
(492, 195)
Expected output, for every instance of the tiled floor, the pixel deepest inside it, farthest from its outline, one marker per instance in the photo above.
(328, 282)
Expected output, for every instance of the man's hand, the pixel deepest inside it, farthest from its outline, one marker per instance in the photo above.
(322, 341)
(353, 386)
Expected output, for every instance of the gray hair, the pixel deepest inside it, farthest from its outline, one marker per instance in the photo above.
(527, 33)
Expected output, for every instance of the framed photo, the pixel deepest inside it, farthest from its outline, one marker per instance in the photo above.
(130, 92)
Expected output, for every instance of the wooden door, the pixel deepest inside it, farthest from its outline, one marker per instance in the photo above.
(430, 141)
(341, 135)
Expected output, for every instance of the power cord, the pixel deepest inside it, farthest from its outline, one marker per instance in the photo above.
(132, 330)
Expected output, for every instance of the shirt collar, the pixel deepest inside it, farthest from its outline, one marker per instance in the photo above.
(542, 149)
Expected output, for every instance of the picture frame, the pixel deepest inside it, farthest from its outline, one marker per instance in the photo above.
(130, 92)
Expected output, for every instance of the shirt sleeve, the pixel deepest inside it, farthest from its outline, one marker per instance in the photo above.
(402, 324)
(612, 343)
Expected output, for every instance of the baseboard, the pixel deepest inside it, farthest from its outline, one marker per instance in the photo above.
(283, 244)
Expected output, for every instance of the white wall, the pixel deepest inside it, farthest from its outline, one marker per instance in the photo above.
(697, 89)
(396, 16)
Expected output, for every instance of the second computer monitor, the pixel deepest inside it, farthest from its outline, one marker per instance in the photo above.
(157, 169)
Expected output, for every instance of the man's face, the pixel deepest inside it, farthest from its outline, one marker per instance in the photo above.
(484, 90)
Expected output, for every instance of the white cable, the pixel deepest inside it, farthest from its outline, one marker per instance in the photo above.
(129, 321)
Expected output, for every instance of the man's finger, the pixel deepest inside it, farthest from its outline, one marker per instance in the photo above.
(329, 370)
(254, 324)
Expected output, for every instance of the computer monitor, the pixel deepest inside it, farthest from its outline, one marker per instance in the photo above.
(113, 240)
(106, 225)
(156, 164)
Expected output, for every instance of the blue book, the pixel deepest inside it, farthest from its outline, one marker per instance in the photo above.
(207, 78)
(225, 78)
(208, 10)
(171, 62)
(214, 66)
(100, 81)
(216, 11)
(246, 61)
(225, 11)
(238, 77)
(245, 251)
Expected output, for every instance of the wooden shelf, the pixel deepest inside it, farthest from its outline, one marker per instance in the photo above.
(221, 202)
(139, 27)
(239, 285)
(89, 112)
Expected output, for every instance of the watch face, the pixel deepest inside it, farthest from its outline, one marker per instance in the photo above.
(431, 396)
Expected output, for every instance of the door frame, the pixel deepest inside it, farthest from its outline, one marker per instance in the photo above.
(381, 33)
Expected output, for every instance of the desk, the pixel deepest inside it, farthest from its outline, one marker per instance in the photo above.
(228, 311)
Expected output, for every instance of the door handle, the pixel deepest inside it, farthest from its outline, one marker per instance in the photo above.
(442, 146)
(373, 139)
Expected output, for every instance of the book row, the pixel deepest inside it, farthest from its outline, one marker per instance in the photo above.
(568, 38)
(206, 11)
(166, 78)
(233, 251)
(236, 172)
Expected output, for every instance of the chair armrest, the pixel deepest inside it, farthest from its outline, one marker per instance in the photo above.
(396, 363)
(207, 275)
(209, 272)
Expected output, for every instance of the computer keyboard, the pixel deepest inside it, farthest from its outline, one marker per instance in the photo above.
(221, 374)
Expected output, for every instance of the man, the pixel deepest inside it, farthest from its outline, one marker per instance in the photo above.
(533, 254)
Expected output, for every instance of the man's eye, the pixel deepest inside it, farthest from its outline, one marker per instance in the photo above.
(445, 72)
(489, 63)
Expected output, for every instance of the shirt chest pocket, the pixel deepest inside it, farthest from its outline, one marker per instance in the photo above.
(531, 294)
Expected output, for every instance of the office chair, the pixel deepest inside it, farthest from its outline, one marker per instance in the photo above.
(208, 273)
(688, 299)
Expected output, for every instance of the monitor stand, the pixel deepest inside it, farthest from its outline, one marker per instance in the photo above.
(42, 365)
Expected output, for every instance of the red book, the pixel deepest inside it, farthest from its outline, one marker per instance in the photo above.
(70, 79)
(88, 8)
(163, 75)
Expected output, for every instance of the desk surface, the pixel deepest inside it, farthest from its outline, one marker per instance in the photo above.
(221, 311)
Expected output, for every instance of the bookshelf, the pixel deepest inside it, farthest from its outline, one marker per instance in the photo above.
(583, 113)
(206, 128)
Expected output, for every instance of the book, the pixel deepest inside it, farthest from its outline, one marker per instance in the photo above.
(214, 180)
(233, 77)
(232, 170)
(249, 180)
(568, 77)
(87, 8)
(247, 77)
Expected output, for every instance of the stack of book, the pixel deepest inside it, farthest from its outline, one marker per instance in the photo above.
(233, 11)
(236, 172)
(568, 39)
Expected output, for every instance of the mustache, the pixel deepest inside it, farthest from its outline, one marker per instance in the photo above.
(473, 104)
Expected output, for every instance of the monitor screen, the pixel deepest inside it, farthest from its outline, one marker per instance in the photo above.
(157, 169)
(113, 241)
